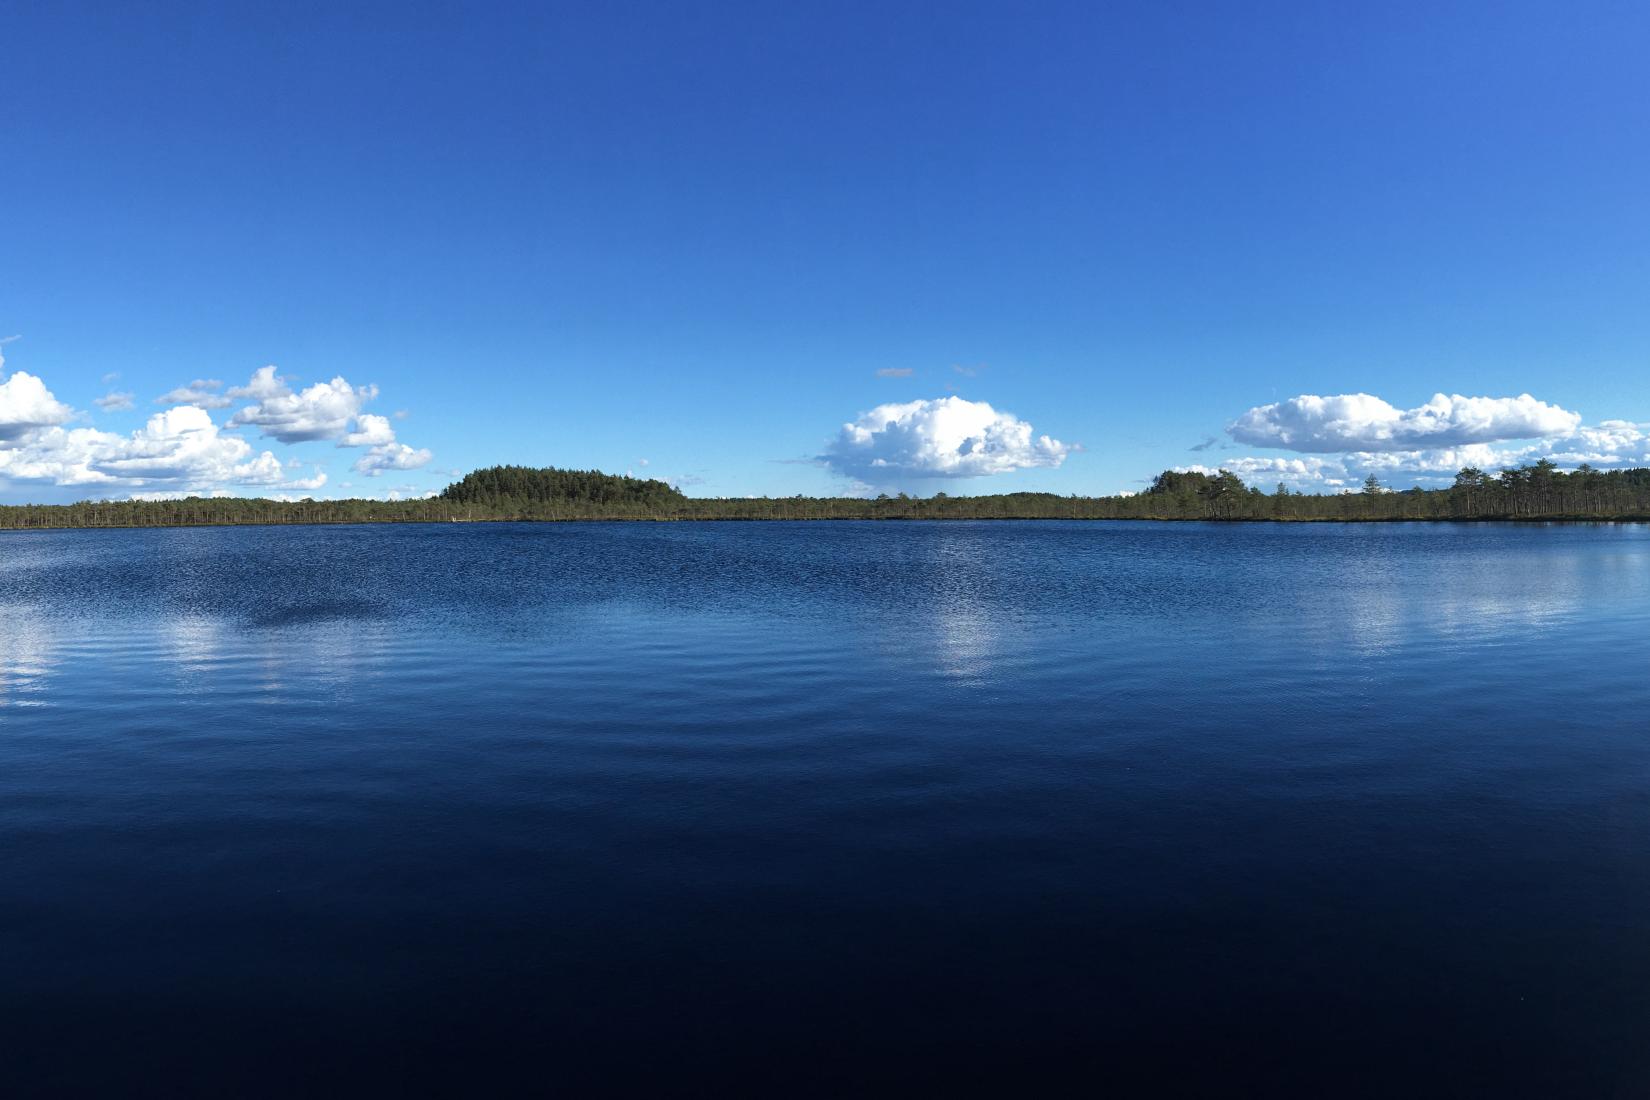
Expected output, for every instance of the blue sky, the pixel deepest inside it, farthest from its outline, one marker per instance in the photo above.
(697, 241)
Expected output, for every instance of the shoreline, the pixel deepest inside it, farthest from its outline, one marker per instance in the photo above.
(1223, 520)
(1538, 493)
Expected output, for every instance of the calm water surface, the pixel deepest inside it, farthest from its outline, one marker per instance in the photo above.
(1233, 810)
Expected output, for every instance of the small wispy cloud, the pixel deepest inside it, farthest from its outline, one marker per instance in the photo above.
(895, 372)
(1208, 442)
(968, 372)
(202, 392)
(110, 378)
(114, 402)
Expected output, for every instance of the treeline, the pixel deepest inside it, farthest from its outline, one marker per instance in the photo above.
(216, 511)
(1537, 491)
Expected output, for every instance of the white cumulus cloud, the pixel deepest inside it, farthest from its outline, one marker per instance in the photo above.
(314, 482)
(181, 450)
(180, 447)
(941, 438)
(370, 430)
(1608, 443)
(325, 410)
(26, 404)
(391, 456)
(1363, 422)
(264, 383)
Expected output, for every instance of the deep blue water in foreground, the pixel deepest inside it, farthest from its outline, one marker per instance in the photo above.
(1236, 810)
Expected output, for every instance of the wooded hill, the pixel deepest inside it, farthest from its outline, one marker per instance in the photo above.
(1539, 491)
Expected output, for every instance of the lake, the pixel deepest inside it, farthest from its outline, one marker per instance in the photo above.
(827, 808)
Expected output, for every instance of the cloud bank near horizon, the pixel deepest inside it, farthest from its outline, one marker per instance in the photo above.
(182, 450)
(1364, 422)
(1326, 442)
(1340, 440)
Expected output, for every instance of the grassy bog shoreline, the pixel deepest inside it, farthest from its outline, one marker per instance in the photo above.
(1538, 493)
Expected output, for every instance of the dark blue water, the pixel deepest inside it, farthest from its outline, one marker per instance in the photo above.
(842, 808)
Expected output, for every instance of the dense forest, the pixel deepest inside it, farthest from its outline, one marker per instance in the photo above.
(518, 488)
(1539, 491)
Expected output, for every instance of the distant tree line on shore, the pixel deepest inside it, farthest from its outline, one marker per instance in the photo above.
(1538, 491)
